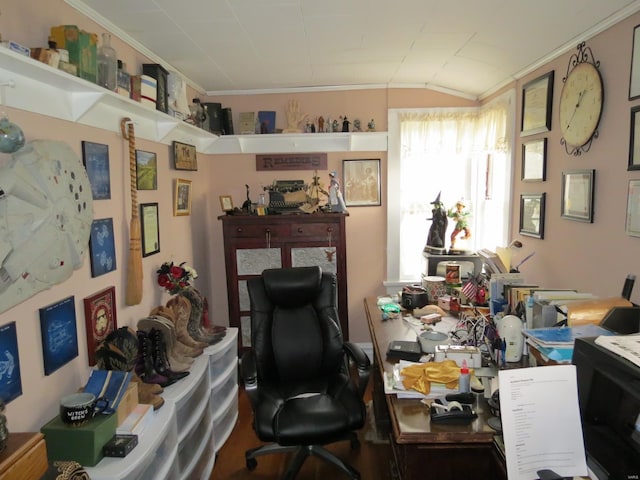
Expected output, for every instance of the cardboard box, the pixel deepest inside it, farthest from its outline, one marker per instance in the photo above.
(82, 47)
(128, 402)
(83, 444)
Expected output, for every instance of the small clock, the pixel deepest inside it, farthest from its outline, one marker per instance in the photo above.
(581, 102)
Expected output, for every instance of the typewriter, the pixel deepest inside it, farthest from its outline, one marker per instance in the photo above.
(286, 195)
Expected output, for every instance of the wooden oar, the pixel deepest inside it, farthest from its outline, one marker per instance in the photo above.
(133, 293)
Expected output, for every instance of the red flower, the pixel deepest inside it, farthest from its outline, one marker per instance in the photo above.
(176, 272)
(164, 280)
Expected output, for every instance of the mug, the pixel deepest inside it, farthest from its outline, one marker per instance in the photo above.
(78, 408)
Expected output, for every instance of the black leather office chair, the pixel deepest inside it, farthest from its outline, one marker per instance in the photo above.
(300, 375)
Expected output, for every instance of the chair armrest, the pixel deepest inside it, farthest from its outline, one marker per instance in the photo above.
(249, 376)
(358, 357)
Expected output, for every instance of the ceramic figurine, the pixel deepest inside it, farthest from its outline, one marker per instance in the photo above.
(461, 216)
(336, 202)
(439, 224)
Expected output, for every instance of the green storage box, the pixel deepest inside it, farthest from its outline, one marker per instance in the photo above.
(82, 444)
(82, 47)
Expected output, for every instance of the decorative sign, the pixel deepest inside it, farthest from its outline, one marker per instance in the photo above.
(291, 161)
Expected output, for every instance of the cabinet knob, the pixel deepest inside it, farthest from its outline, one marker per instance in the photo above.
(239, 229)
(300, 230)
(329, 229)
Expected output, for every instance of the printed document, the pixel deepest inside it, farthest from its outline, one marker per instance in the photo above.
(541, 422)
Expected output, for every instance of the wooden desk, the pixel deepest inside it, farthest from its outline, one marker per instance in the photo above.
(421, 450)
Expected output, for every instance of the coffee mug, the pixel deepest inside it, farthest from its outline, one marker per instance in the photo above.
(78, 408)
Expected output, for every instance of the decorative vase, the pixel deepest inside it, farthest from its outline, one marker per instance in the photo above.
(11, 136)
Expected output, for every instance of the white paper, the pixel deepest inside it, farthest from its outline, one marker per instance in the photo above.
(541, 421)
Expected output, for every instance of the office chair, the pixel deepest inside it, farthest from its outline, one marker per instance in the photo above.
(305, 384)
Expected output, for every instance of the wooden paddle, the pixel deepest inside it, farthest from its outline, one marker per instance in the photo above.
(133, 293)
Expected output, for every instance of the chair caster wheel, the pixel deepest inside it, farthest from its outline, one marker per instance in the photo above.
(251, 463)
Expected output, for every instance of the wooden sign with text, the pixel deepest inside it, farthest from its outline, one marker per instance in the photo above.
(291, 161)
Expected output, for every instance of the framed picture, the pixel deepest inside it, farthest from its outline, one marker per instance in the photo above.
(150, 229)
(102, 247)
(532, 208)
(10, 380)
(632, 222)
(634, 139)
(361, 182)
(100, 319)
(226, 203)
(182, 200)
(577, 195)
(184, 156)
(537, 99)
(59, 334)
(634, 81)
(534, 161)
(96, 161)
(146, 170)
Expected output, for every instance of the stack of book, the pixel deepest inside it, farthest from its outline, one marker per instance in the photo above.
(555, 344)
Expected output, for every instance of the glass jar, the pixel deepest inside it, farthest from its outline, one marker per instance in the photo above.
(107, 64)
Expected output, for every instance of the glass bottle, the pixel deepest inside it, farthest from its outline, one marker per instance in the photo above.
(107, 64)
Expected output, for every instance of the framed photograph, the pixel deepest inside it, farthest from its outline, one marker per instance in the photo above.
(537, 99)
(634, 139)
(100, 319)
(10, 380)
(102, 247)
(534, 161)
(361, 182)
(59, 334)
(182, 200)
(577, 195)
(184, 156)
(150, 229)
(634, 81)
(532, 208)
(632, 222)
(96, 161)
(226, 203)
(146, 170)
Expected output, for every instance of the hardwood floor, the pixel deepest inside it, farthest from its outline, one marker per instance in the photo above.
(372, 459)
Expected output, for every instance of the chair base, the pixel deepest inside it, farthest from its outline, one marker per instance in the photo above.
(302, 452)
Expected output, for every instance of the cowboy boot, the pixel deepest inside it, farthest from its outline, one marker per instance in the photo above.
(184, 350)
(181, 314)
(160, 360)
(206, 325)
(195, 318)
(177, 362)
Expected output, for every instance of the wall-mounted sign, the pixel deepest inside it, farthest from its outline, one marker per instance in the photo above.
(291, 161)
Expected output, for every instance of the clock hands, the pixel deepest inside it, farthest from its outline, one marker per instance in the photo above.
(576, 107)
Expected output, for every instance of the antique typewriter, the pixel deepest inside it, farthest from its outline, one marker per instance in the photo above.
(286, 195)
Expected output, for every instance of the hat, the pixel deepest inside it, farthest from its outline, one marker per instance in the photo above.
(461, 202)
(332, 174)
(437, 200)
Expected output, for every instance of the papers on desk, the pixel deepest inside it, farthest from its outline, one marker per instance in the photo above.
(393, 384)
(627, 346)
(541, 422)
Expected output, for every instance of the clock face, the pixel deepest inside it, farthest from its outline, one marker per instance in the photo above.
(580, 104)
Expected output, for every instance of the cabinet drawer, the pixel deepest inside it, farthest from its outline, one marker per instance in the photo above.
(314, 230)
(259, 231)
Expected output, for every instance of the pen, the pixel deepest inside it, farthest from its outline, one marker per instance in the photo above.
(504, 351)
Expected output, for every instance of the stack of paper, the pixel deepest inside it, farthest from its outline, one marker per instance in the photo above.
(556, 343)
(627, 346)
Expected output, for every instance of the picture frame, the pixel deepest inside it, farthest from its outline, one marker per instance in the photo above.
(149, 226)
(537, 101)
(578, 195)
(102, 247)
(226, 203)
(634, 78)
(634, 139)
(146, 170)
(59, 334)
(534, 160)
(632, 220)
(184, 156)
(95, 157)
(532, 214)
(182, 197)
(10, 380)
(100, 319)
(361, 182)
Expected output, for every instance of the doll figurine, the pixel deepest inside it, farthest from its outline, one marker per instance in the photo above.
(461, 216)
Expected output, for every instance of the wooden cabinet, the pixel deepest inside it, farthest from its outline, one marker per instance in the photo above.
(25, 456)
(254, 243)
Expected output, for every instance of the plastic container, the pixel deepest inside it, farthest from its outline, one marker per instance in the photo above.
(464, 381)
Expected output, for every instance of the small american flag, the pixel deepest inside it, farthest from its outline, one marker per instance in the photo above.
(470, 289)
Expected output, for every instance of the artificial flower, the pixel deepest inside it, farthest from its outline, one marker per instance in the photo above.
(175, 278)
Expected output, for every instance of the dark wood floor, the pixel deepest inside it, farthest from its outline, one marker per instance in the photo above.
(372, 459)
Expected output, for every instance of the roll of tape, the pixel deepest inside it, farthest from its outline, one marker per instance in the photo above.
(454, 406)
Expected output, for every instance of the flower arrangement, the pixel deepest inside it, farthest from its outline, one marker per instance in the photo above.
(175, 278)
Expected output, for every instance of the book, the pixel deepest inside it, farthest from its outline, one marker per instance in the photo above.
(552, 336)
(247, 123)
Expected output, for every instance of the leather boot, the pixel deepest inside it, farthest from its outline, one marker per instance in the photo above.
(148, 393)
(183, 349)
(144, 367)
(206, 325)
(181, 314)
(178, 363)
(160, 360)
(195, 318)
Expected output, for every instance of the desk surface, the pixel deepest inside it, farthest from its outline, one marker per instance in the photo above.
(410, 418)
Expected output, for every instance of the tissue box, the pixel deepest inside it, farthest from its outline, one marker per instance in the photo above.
(82, 47)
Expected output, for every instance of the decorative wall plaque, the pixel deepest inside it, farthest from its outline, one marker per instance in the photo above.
(291, 161)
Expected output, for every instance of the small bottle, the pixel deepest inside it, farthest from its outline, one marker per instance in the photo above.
(464, 381)
(107, 64)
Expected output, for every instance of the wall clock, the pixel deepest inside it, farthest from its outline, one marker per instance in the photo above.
(581, 102)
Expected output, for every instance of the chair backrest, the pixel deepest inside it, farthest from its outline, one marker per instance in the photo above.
(295, 329)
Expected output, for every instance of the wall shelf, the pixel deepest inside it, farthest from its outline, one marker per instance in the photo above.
(36, 87)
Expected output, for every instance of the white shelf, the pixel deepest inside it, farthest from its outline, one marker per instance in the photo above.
(39, 88)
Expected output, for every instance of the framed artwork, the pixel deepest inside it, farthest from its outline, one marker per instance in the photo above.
(226, 203)
(634, 81)
(100, 319)
(59, 334)
(182, 200)
(96, 162)
(146, 170)
(361, 182)
(102, 247)
(537, 99)
(532, 208)
(577, 195)
(184, 156)
(149, 225)
(10, 380)
(267, 120)
(534, 161)
(632, 221)
(634, 139)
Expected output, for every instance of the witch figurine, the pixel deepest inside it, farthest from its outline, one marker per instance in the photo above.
(439, 222)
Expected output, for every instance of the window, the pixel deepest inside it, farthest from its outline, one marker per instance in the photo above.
(454, 152)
